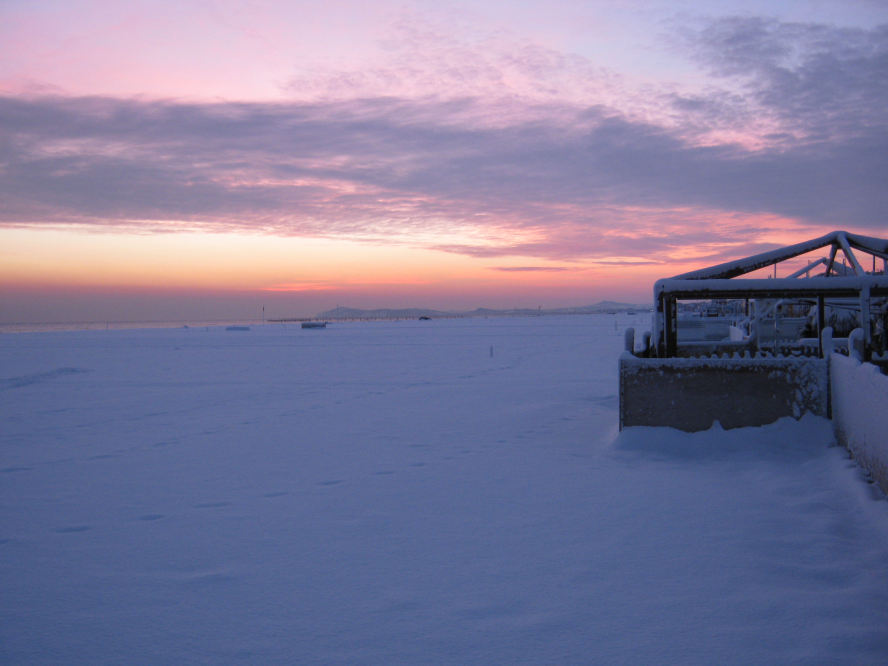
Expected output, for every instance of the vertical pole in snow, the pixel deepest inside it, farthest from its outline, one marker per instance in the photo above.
(821, 320)
(263, 315)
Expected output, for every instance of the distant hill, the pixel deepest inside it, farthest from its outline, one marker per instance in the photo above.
(346, 313)
(388, 313)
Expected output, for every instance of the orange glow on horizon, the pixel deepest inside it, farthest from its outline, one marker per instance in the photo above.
(371, 274)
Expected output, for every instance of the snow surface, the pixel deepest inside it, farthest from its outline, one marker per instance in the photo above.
(390, 493)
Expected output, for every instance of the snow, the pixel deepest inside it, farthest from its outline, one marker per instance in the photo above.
(788, 287)
(859, 397)
(390, 493)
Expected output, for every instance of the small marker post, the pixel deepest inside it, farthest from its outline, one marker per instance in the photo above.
(491, 351)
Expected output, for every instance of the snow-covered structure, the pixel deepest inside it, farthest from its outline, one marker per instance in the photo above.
(851, 289)
(769, 367)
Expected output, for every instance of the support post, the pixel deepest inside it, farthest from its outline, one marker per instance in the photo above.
(846, 250)
(865, 323)
(776, 327)
(821, 320)
(884, 331)
(660, 327)
(831, 260)
(670, 331)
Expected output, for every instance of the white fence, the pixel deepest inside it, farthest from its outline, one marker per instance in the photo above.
(859, 393)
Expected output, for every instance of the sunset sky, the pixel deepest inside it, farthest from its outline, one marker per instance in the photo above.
(195, 159)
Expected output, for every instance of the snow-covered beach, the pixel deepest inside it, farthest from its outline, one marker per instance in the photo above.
(394, 493)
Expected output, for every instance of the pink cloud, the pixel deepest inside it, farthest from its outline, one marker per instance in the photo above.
(484, 145)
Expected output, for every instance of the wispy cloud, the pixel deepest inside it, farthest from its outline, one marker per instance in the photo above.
(301, 286)
(533, 269)
(458, 60)
(545, 175)
(815, 82)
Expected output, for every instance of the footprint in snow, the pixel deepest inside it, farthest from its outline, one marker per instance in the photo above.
(277, 494)
(26, 380)
(607, 401)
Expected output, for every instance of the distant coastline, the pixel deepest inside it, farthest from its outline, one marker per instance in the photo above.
(120, 325)
(339, 313)
(602, 307)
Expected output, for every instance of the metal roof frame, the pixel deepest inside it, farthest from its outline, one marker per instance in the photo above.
(717, 282)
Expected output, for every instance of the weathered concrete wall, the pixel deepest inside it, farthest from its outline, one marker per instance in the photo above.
(689, 394)
(860, 413)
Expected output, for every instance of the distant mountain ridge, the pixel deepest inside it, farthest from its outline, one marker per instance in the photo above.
(382, 313)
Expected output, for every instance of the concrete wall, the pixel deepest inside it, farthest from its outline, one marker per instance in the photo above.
(689, 394)
(860, 413)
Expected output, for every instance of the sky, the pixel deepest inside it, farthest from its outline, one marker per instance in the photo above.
(203, 158)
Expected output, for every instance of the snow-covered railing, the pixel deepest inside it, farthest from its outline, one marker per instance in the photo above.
(861, 289)
(742, 389)
(860, 419)
(806, 347)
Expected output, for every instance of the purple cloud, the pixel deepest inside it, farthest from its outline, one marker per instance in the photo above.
(554, 180)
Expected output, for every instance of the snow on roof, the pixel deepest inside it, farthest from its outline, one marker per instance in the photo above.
(773, 288)
(839, 240)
